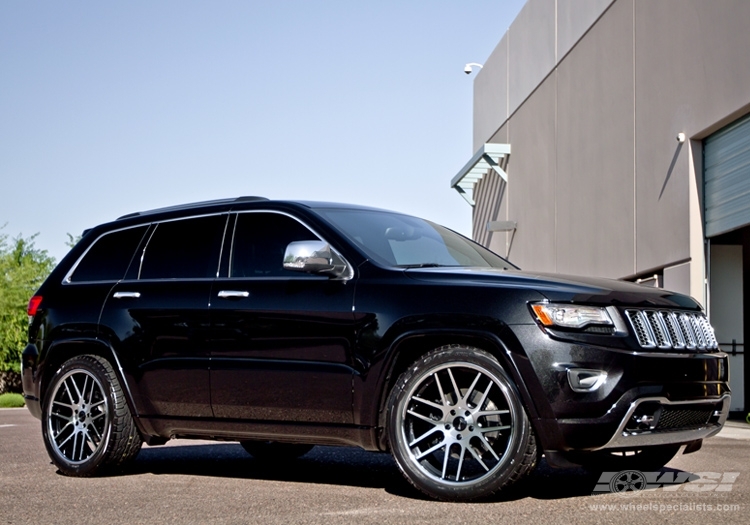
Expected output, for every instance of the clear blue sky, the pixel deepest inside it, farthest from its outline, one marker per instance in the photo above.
(112, 107)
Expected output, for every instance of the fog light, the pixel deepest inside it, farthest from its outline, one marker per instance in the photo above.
(586, 380)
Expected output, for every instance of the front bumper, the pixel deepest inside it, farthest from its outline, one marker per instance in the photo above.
(648, 398)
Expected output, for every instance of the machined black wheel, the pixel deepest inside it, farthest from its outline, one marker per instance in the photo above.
(272, 451)
(457, 427)
(86, 423)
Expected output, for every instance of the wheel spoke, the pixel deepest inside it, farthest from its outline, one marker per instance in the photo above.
(460, 463)
(494, 429)
(83, 390)
(57, 435)
(471, 388)
(98, 435)
(490, 413)
(427, 402)
(486, 444)
(455, 386)
(430, 450)
(75, 447)
(67, 390)
(484, 395)
(97, 416)
(423, 418)
(446, 456)
(440, 389)
(78, 392)
(90, 441)
(60, 403)
(423, 436)
(478, 458)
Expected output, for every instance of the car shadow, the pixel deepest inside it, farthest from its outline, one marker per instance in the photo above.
(341, 466)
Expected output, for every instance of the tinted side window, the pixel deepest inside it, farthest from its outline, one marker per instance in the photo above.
(260, 240)
(108, 259)
(184, 249)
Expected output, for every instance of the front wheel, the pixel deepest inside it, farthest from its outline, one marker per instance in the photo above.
(86, 423)
(457, 427)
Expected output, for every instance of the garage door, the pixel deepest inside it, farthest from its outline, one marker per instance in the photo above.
(726, 172)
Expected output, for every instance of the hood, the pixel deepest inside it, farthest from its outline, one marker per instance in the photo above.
(560, 288)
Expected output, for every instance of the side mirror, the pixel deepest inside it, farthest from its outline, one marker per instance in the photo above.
(316, 257)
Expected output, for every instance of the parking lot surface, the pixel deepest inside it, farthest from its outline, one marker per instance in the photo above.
(206, 482)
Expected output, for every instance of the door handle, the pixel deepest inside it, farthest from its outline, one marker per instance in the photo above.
(233, 294)
(127, 295)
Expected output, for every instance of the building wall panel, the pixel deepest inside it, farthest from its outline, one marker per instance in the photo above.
(595, 159)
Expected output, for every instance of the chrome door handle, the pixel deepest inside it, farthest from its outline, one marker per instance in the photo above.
(127, 295)
(233, 294)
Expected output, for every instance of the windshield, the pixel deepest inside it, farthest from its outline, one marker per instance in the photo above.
(392, 239)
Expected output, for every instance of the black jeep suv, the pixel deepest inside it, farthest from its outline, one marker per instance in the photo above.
(284, 325)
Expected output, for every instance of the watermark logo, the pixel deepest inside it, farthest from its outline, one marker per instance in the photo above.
(632, 482)
(626, 482)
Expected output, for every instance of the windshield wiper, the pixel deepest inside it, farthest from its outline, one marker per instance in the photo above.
(422, 265)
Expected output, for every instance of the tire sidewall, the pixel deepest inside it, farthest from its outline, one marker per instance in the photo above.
(96, 461)
(399, 398)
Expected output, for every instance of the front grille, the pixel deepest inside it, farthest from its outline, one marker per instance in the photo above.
(670, 329)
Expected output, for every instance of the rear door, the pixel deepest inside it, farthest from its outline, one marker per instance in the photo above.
(158, 318)
(281, 344)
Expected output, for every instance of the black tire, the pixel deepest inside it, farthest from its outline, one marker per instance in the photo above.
(273, 451)
(645, 459)
(457, 427)
(86, 422)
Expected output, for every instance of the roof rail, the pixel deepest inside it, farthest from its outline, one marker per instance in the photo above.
(187, 206)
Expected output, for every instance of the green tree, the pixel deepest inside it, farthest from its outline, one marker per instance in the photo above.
(23, 267)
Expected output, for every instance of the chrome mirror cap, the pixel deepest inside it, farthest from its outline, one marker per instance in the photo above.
(316, 257)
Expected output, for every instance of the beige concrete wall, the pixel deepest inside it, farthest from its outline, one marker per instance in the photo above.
(591, 94)
(595, 150)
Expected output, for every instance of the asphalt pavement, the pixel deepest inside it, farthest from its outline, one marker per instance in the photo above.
(205, 482)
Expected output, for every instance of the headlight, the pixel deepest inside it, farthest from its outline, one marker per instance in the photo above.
(571, 315)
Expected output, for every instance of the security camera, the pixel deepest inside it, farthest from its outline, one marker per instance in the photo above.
(469, 66)
(680, 138)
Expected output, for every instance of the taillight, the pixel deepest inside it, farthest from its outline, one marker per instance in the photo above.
(34, 303)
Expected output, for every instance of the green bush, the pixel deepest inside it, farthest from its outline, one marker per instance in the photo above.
(11, 401)
(23, 268)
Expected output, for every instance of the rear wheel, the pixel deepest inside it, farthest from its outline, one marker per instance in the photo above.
(86, 422)
(457, 427)
(272, 451)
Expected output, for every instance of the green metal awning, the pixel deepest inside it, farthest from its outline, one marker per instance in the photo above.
(488, 157)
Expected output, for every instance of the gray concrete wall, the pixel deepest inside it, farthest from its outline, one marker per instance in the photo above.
(591, 94)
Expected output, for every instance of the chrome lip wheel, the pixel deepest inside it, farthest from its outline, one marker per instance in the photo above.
(78, 417)
(458, 423)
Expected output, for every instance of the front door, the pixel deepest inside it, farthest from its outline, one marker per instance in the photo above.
(281, 340)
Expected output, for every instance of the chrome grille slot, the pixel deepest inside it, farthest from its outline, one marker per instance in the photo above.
(673, 328)
(640, 327)
(661, 337)
(687, 331)
(667, 329)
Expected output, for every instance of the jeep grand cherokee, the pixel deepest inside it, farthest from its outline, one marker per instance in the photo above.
(284, 325)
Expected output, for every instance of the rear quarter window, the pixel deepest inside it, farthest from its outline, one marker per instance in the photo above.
(109, 257)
